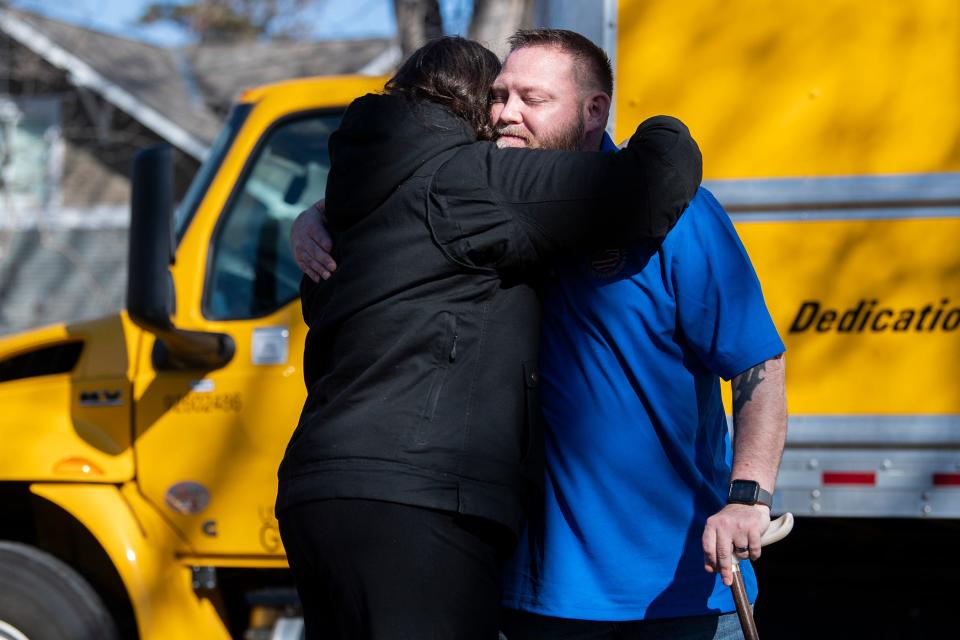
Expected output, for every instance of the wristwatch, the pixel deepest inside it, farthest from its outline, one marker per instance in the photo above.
(748, 492)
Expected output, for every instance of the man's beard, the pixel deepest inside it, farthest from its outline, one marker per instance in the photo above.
(566, 139)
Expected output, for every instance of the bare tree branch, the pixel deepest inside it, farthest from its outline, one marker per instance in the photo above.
(417, 22)
(226, 20)
(495, 20)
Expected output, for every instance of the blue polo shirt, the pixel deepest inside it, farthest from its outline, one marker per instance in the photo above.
(633, 347)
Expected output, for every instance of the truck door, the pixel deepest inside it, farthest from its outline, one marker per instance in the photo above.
(209, 443)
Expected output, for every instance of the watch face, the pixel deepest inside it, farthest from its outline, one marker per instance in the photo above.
(743, 492)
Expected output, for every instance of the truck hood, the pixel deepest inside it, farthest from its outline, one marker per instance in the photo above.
(66, 391)
(106, 347)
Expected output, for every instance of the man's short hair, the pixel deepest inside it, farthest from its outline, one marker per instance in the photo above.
(591, 58)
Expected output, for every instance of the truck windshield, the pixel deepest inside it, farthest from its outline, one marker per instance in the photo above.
(198, 187)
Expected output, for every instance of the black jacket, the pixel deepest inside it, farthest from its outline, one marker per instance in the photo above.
(421, 358)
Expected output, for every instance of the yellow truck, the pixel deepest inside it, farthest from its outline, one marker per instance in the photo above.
(138, 452)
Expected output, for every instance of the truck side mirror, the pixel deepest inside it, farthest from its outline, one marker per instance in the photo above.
(150, 292)
(149, 287)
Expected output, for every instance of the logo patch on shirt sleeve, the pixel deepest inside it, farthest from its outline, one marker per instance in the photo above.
(607, 262)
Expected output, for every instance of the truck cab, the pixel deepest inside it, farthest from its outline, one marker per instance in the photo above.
(140, 450)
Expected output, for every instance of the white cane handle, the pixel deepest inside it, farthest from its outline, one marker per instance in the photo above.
(777, 530)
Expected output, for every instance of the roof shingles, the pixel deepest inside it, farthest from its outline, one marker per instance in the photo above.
(168, 80)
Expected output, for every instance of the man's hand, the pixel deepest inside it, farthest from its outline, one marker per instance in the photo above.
(312, 244)
(736, 526)
(760, 429)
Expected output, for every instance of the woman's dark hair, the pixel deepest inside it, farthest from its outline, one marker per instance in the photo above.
(454, 72)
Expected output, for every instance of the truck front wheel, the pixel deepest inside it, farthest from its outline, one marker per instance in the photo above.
(41, 598)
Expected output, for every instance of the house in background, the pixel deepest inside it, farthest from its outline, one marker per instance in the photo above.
(75, 105)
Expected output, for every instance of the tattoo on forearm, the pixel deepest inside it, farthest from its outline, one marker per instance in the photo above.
(744, 386)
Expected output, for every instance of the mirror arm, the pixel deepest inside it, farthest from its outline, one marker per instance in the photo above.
(149, 287)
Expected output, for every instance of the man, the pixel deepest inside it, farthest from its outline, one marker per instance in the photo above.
(633, 342)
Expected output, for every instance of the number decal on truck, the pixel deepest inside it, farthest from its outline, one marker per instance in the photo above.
(203, 403)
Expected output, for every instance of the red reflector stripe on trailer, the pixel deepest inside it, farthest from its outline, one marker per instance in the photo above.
(946, 479)
(868, 478)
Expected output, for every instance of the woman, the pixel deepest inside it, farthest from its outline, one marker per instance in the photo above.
(404, 484)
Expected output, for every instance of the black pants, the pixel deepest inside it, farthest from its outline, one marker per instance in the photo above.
(379, 570)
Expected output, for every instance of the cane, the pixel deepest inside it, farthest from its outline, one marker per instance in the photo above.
(777, 530)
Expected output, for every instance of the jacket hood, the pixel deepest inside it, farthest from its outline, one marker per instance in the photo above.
(381, 142)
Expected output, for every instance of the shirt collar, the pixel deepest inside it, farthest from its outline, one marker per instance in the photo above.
(607, 144)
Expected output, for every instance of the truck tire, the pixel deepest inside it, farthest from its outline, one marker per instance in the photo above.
(41, 598)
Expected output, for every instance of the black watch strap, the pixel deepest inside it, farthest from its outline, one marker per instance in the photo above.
(748, 492)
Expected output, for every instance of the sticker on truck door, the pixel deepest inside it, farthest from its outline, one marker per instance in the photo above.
(271, 345)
